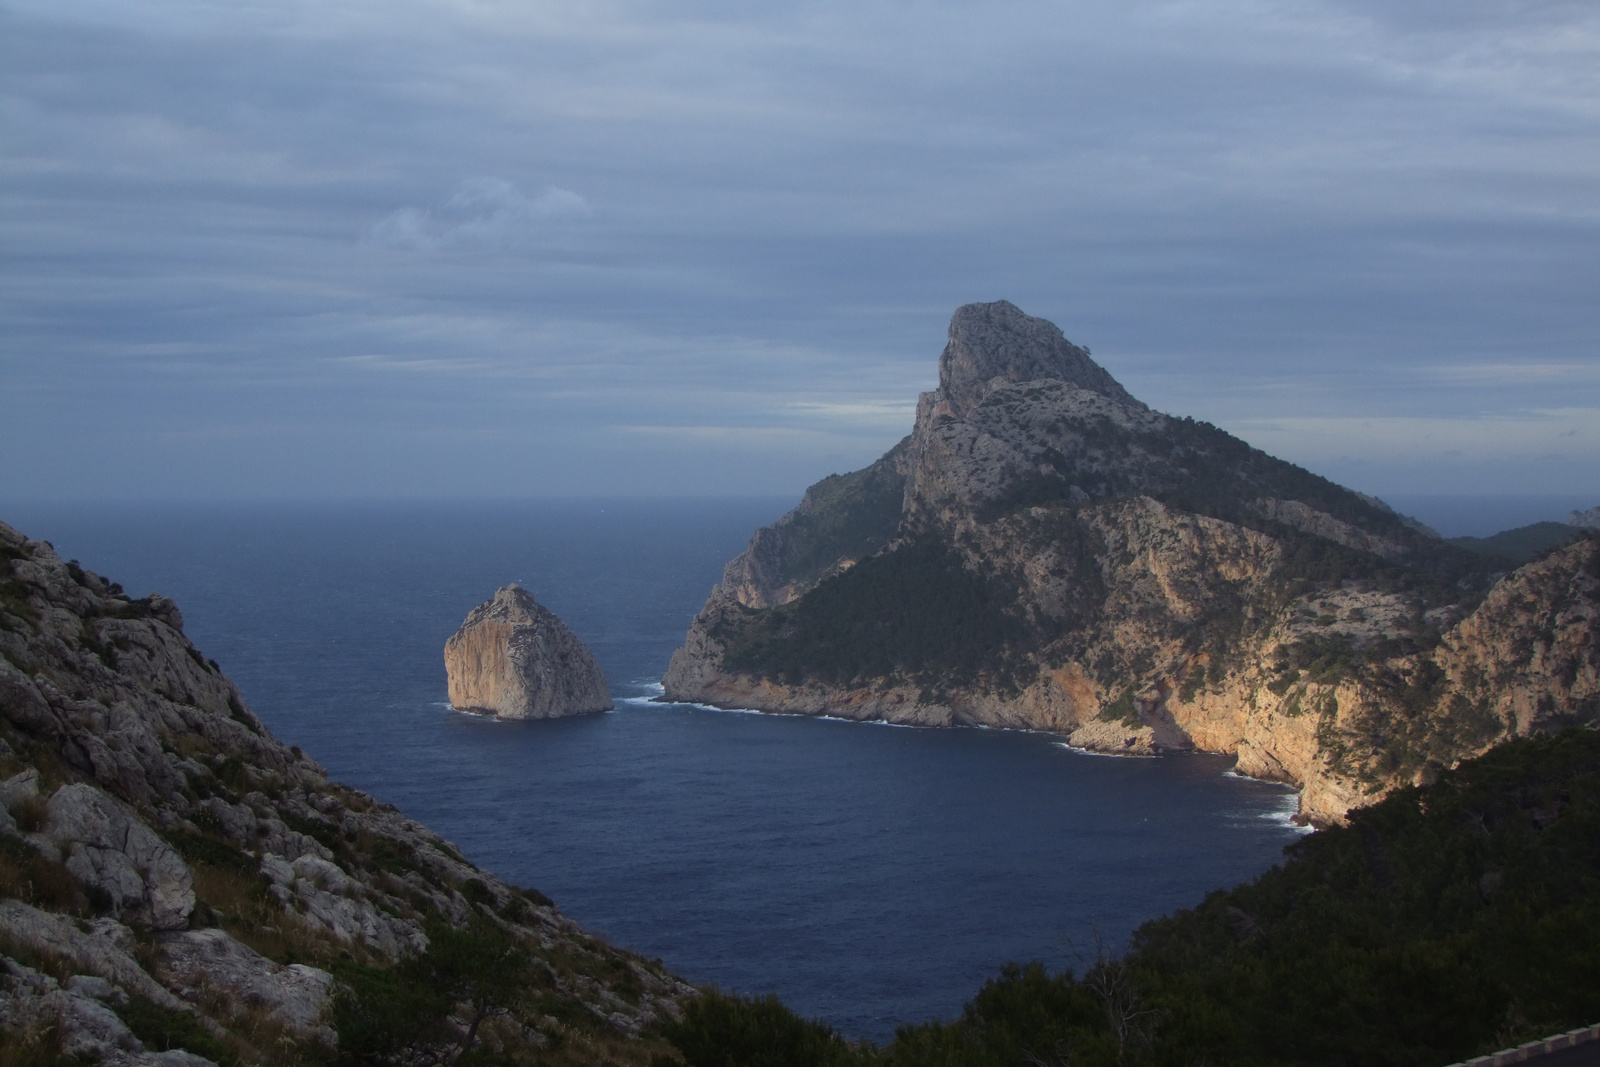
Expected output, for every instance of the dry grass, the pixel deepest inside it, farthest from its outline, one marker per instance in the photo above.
(28, 875)
(257, 1038)
(58, 967)
(243, 907)
(38, 1048)
(30, 814)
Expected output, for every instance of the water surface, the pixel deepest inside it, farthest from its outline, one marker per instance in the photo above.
(868, 874)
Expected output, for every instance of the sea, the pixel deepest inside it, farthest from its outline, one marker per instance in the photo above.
(870, 875)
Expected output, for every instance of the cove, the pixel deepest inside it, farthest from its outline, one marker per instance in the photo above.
(869, 875)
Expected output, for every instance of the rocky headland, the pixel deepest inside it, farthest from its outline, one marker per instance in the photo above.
(1046, 552)
(178, 887)
(514, 658)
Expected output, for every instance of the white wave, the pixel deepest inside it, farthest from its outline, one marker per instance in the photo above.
(1288, 805)
(873, 722)
(481, 716)
(1107, 755)
(789, 715)
(1284, 815)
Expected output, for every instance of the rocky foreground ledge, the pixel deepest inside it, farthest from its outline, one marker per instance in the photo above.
(173, 877)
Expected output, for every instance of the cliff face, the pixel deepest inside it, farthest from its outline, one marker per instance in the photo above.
(512, 657)
(168, 867)
(1067, 559)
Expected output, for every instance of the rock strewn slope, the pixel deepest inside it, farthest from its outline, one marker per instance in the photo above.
(1067, 559)
(514, 658)
(162, 853)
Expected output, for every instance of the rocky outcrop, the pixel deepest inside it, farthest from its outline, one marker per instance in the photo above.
(1064, 558)
(78, 1020)
(992, 345)
(513, 658)
(160, 848)
(107, 848)
(212, 964)
(1589, 520)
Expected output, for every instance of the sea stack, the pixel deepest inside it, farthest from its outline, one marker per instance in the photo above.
(513, 658)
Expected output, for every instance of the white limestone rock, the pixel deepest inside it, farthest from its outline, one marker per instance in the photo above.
(1588, 520)
(211, 961)
(106, 846)
(513, 658)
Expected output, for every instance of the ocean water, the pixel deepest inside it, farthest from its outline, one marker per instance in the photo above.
(870, 875)
(1482, 516)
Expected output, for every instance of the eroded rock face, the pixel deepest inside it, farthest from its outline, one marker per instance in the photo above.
(513, 658)
(994, 344)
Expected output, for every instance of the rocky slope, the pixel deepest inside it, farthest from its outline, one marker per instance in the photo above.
(514, 658)
(1045, 552)
(173, 877)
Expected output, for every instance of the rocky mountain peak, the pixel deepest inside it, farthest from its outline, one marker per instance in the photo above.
(989, 341)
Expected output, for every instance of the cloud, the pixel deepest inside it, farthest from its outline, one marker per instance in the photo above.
(744, 435)
(482, 212)
(391, 224)
(1572, 433)
(874, 413)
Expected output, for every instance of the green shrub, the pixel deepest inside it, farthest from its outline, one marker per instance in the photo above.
(1124, 709)
(915, 612)
(162, 1029)
(477, 892)
(718, 1030)
(400, 1014)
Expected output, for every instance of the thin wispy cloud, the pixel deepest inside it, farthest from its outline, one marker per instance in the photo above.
(489, 212)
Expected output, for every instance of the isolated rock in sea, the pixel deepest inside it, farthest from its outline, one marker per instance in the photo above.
(514, 658)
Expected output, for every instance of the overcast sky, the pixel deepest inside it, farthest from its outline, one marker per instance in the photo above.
(464, 247)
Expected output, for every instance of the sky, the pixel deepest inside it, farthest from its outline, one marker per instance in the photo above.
(335, 248)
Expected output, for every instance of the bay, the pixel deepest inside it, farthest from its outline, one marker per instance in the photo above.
(869, 875)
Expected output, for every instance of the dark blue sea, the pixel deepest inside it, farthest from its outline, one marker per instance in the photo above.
(869, 875)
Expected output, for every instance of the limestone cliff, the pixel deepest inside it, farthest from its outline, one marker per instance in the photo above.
(171, 875)
(513, 658)
(1064, 558)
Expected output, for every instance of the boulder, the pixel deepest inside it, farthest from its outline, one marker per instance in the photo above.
(212, 962)
(513, 658)
(105, 846)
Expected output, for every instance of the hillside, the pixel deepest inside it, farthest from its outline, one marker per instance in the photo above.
(1523, 543)
(173, 877)
(1046, 552)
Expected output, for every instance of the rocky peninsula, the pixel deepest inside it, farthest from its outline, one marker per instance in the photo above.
(514, 658)
(1044, 551)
